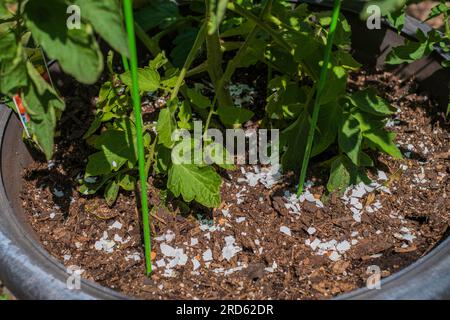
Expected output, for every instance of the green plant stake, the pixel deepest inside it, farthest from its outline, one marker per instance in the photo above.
(320, 88)
(129, 22)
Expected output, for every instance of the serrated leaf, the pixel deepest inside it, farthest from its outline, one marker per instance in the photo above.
(397, 19)
(159, 61)
(367, 100)
(98, 164)
(198, 99)
(386, 6)
(347, 61)
(13, 72)
(111, 192)
(76, 50)
(365, 160)
(160, 13)
(414, 50)
(293, 139)
(215, 153)
(118, 142)
(149, 79)
(182, 45)
(195, 183)
(8, 47)
(44, 107)
(163, 159)
(165, 126)
(384, 141)
(350, 137)
(287, 99)
(117, 147)
(105, 16)
(233, 115)
(327, 127)
(127, 182)
(344, 173)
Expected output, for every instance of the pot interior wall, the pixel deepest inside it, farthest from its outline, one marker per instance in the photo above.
(15, 157)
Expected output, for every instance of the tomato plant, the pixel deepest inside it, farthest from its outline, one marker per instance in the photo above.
(192, 41)
(77, 51)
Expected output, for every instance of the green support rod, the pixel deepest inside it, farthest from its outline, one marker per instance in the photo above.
(129, 22)
(321, 86)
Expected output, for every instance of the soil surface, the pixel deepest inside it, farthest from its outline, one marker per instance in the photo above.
(262, 243)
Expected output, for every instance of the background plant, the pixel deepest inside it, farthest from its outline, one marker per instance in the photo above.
(43, 23)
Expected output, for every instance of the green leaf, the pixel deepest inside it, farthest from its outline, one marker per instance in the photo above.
(438, 10)
(4, 13)
(118, 144)
(216, 153)
(8, 47)
(185, 116)
(44, 107)
(350, 137)
(76, 50)
(149, 79)
(98, 164)
(111, 193)
(160, 13)
(293, 139)
(384, 141)
(347, 61)
(220, 7)
(194, 183)
(163, 159)
(287, 99)
(386, 6)
(13, 72)
(105, 16)
(414, 50)
(199, 100)
(367, 100)
(117, 147)
(336, 85)
(397, 18)
(365, 160)
(254, 53)
(96, 124)
(233, 115)
(159, 61)
(182, 45)
(344, 173)
(127, 182)
(327, 128)
(165, 127)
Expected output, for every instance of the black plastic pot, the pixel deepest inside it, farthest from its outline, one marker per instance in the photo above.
(31, 273)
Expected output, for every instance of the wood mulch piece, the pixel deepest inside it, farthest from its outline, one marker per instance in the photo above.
(269, 264)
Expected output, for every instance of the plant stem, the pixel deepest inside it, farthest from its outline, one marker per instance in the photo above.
(190, 58)
(129, 22)
(236, 61)
(265, 27)
(260, 23)
(125, 64)
(203, 67)
(320, 88)
(215, 59)
(148, 42)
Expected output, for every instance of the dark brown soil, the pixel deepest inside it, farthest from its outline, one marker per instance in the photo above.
(413, 216)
